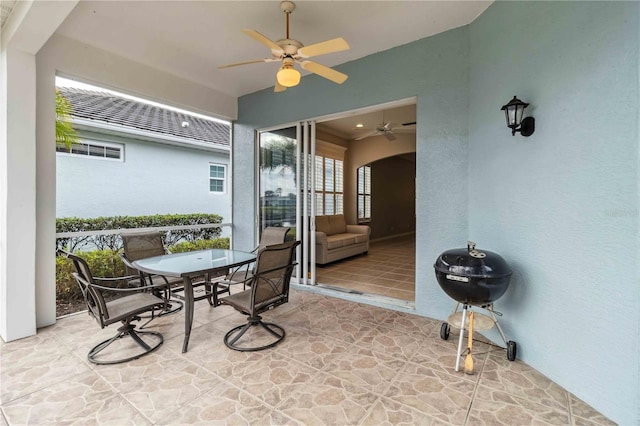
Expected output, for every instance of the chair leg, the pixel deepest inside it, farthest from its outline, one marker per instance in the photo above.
(236, 333)
(126, 330)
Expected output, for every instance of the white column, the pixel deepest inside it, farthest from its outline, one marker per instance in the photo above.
(17, 194)
(27, 172)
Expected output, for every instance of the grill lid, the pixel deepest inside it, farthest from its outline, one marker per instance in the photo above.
(470, 262)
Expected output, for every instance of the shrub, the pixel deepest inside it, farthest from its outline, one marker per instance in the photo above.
(103, 263)
(220, 243)
(107, 264)
(114, 242)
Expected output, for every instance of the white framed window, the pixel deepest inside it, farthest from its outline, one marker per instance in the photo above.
(93, 149)
(364, 194)
(329, 186)
(217, 178)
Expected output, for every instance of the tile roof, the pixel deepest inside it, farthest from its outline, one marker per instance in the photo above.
(113, 109)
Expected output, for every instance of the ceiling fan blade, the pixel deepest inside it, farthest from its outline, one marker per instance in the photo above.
(279, 87)
(411, 123)
(322, 48)
(326, 72)
(275, 49)
(255, 61)
(367, 135)
(390, 136)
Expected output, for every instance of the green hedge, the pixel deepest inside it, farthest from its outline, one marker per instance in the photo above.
(107, 263)
(114, 242)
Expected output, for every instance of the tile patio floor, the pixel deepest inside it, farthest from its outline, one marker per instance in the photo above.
(342, 363)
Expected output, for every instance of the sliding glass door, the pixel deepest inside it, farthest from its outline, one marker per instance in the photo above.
(284, 199)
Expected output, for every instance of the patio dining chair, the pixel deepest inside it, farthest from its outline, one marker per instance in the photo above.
(109, 304)
(269, 288)
(242, 275)
(141, 245)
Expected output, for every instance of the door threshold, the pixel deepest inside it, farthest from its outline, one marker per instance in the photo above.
(359, 297)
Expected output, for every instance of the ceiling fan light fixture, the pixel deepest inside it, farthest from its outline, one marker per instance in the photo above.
(288, 76)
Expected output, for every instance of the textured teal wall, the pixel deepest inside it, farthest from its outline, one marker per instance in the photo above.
(562, 205)
(436, 71)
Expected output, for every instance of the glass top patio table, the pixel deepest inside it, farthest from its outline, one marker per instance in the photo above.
(190, 265)
(194, 262)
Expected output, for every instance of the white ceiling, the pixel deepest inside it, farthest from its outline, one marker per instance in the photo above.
(191, 39)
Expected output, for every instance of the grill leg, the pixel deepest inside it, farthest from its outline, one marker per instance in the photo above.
(464, 317)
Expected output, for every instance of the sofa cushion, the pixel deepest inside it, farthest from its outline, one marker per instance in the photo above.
(337, 224)
(361, 238)
(322, 224)
(340, 240)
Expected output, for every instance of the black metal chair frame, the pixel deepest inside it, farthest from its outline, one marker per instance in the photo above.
(173, 288)
(278, 285)
(244, 274)
(98, 307)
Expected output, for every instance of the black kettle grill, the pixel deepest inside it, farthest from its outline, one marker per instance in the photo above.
(473, 278)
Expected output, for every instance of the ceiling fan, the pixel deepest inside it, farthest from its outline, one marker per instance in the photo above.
(386, 130)
(289, 51)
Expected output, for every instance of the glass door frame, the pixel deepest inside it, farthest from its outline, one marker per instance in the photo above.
(305, 218)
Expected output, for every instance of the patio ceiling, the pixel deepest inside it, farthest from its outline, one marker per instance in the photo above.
(191, 39)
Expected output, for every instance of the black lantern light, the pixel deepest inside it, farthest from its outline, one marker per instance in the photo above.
(513, 112)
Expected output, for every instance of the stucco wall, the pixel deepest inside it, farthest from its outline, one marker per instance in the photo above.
(152, 179)
(562, 204)
(437, 74)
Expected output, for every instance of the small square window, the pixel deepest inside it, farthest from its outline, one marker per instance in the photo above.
(217, 178)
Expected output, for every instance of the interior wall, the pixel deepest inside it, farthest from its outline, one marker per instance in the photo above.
(562, 205)
(393, 195)
(366, 151)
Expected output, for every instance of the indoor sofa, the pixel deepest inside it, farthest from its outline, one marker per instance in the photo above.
(336, 240)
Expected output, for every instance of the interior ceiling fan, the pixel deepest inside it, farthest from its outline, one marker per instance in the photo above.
(386, 129)
(288, 51)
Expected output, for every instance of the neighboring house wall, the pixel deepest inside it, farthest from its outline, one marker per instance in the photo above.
(560, 206)
(153, 178)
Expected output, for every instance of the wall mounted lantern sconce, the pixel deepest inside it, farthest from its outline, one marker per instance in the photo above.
(513, 112)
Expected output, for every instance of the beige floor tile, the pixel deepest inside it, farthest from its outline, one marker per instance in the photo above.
(79, 399)
(226, 405)
(312, 349)
(496, 407)
(446, 398)
(386, 412)
(583, 414)
(366, 368)
(159, 384)
(411, 324)
(327, 400)
(341, 363)
(520, 380)
(34, 363)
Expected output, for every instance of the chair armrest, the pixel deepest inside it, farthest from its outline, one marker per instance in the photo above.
(123, 289)
(358, 229)
(321, 238)
(127, 263)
